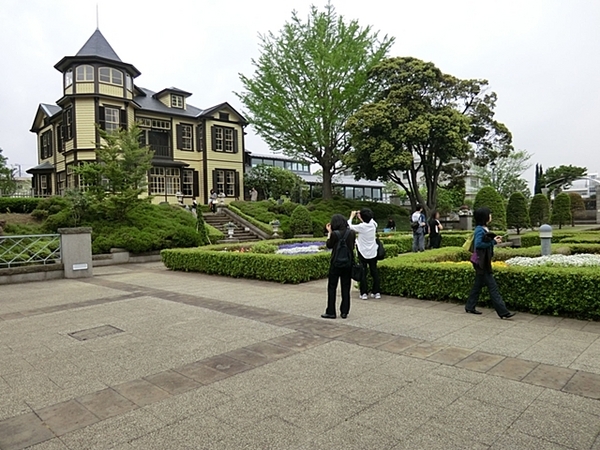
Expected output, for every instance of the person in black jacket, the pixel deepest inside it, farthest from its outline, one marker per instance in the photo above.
(435, 228)
(336, 230)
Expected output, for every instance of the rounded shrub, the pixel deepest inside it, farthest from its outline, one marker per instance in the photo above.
(488, 197)
(300, 221)
(264, 248)
(517, 215)
(561, 210)
(539, 210)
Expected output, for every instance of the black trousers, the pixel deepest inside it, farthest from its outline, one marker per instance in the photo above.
(435, 240)
(344, 275)
(372, 265)
(486, 279)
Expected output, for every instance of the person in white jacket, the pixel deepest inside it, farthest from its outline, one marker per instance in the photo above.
(367, 250)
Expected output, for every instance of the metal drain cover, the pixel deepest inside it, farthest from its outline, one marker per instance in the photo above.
(96, 332)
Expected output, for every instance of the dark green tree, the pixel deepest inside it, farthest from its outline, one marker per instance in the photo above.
(507, 174)
(201, 228)
(539, 174)
(274, 182)
(489, 198)
(421, 122)
(8, 185)
(115, 181)
(300, 221)
(539, 210)
(517, 213)
(561, 177)
(561, 210)
(577, 204)
(308, 80)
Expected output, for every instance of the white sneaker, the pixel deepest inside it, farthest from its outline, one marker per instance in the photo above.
(372, 295)
(378, 295)
(364, 297)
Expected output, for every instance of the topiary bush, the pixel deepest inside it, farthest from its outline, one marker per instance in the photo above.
(21, 205)
(300, 221)
(577, 206)
(539, 210)
(202, 231)
(517, 214)
(264, 247)
(488, 197)
(561, 210)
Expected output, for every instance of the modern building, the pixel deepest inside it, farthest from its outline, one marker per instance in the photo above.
(195, 149)
(585, 186)
(345, 184)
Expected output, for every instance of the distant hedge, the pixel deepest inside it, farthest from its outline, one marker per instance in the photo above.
(18, 204)
(569, 291)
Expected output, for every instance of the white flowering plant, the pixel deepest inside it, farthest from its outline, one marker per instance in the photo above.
(579, 260)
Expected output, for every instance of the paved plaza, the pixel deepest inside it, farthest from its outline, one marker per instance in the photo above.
(139, 357)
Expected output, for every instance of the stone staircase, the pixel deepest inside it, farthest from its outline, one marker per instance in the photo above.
(240, 233)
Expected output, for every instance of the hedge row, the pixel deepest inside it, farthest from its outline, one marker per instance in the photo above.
(558, 236)
(569, 291)
(18, 204)
(260, 225)
(215, 260)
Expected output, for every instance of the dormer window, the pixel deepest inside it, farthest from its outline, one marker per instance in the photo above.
(176, 101)
(111, 76)
(68, 78)
(85, 73)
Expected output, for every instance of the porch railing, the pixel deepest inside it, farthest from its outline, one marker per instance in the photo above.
(29, 250)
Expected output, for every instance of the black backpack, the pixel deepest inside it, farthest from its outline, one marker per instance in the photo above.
(343, 255)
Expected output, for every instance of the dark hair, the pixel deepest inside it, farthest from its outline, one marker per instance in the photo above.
(366, 215)
(434, 213)
(339, 222)
(419, 208)
(482, 216)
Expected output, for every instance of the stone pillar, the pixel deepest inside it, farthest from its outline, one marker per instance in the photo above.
(465, 222)
(76, 251)
(598, 203)
(546, 239)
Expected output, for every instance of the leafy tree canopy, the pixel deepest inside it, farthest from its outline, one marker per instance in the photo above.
(505, 174)
(488, 197)
(273, 182)
(539, 210)
(307, 82)
(561, 210)
(561, 177)
(8, 184)
(577, 204)
(423, 123)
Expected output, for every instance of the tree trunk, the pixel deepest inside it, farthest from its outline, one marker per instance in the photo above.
(327, 187)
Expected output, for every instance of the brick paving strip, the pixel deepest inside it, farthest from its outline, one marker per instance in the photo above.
(56, 420)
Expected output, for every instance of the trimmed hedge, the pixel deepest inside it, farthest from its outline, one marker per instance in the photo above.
(18, 204)
(257, 223)
(261, 266)
(569, 291)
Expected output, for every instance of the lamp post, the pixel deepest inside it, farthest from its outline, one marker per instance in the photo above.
(493, 167)
(221, 202)
(275, 224)
(546, 239)
(230, 226)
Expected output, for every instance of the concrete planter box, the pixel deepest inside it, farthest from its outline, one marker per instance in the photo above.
(122, 256)
(31, 273)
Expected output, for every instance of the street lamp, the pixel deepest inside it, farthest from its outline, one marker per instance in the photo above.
(493, 167)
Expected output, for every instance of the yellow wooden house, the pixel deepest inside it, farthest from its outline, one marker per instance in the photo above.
(195, 150)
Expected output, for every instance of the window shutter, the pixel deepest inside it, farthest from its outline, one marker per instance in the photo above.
(178, 133)
(214, 181)
(237, 184)
(213, 140)
(123, 119)
(200, 138)
(235, 141)
(196, 184)
(143, 138)
(101, 118)
(50, 142)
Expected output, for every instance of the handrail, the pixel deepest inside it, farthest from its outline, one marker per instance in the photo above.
(20, 250)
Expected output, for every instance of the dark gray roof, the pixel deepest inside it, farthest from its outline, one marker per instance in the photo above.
(43, 167)
(147, 102)
(97, 45)
(49, 109)
(175, 90)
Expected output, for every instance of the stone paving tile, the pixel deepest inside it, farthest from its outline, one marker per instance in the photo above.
(172, 382)
(106, 403)
(450, 355)
(226, 365)
(200, 372)
(585, 384)
(141, 392)
(515, 369)
(480, 361)
(512, 440)
(270, 351)
(66, 417)
(52, 444)
(549, 376)
(505, 393)
(423, 350)
(348, 435)
(23, 431)
(298, 341)
(367, 338)
(432, 437)
(248, 357)
(399, 344)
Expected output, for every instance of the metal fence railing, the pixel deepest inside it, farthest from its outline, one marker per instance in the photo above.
(29, 250)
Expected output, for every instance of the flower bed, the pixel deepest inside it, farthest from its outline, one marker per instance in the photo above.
(581, 260)
(567, 291)
(300, 248)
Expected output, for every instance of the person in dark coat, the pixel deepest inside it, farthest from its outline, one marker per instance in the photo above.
(336, 229)
(435, 229)
(483, 244)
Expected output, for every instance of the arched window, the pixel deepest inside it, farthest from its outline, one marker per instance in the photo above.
(85, 73)
(111, 76)
(68, 78)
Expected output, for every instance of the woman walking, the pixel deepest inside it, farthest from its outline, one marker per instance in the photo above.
(483, 245)
(435, 229)
(338, 230)
(367, 249)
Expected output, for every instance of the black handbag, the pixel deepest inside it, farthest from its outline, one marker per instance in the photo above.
(357, 271)
(380, 250)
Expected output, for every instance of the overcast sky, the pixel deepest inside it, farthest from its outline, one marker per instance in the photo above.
(542, 57)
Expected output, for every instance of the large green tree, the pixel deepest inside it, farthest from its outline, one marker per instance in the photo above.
(577, 204)
(422, 124)
(487, 197)
(505, 174)
(539, 210)
(558, 178)
(308, 80)
(561, 210)
(274, 182)
(8, 184)
(517, 213)
(114, 182)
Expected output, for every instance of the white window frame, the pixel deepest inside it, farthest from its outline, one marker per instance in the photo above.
(115, 118)
(84, 73)
(176, 101)
(186, 137)
(113, 76)
(68, 78)
(187, 182)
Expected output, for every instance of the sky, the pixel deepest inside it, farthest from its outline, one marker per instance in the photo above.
(541, 57)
